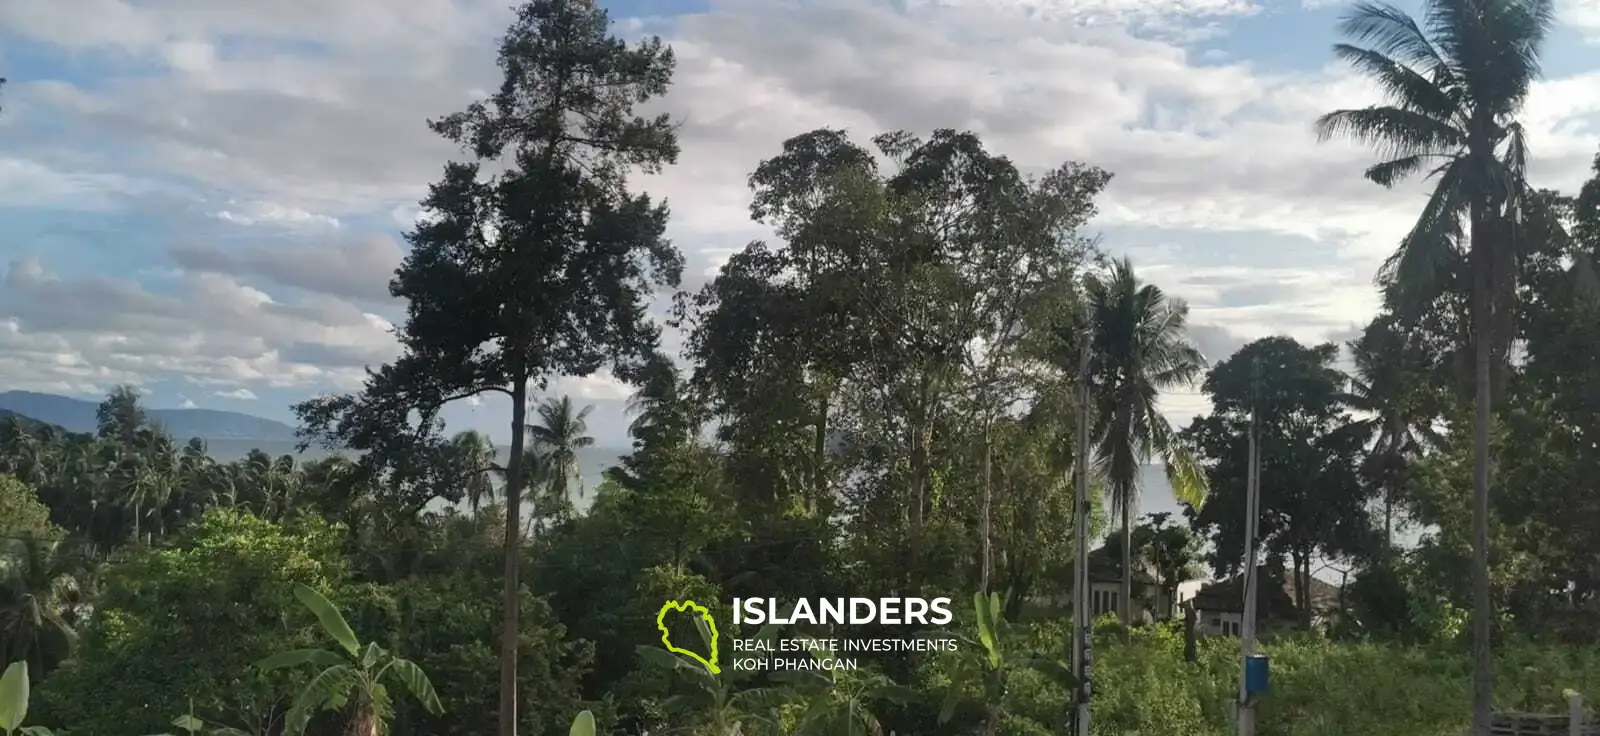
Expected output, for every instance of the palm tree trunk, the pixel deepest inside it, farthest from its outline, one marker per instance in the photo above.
(513, 552)
(1127, 562)
(1482, 650)
(1388, 518)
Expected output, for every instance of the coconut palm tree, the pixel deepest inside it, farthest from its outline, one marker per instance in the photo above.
(659, 408)
(1138, 348)
(561, 432)
(1453, 86)
(37, 590)
(24, 453)
(1398, 427)
(472, 451)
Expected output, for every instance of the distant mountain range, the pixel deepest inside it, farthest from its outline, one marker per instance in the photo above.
(78, 415)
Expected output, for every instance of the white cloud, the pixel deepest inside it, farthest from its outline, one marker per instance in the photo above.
(1584, 14)
(242, 394)
(213, 331)
(188, 403)
(348, 268)
(268, 213)
(601, 386)
(30, 184)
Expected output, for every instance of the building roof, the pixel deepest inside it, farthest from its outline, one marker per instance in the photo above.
(1105, 566)
(1324, 595)
(1273, 600)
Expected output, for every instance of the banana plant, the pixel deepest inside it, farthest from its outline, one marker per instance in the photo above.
(988, 663)
(730, 707)
(839, 702)
(583, 725)
(14, 703)
(356, 677)
(191, 724)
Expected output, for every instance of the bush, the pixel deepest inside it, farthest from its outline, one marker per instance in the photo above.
(1143, 686)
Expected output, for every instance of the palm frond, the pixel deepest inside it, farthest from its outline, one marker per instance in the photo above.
(1189, 484)
(1393, 132)
(1431, 253)
(1510, 181)
(1388, 173)
(1403, 86)
(1393, 33)
(1494, 45)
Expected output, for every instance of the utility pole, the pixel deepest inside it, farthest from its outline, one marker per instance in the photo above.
(1247, 633)
(1082, 623)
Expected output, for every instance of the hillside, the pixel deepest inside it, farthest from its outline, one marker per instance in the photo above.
(33, 425)
(78, 415)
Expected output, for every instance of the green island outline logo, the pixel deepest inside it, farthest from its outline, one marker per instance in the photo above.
(711, 623)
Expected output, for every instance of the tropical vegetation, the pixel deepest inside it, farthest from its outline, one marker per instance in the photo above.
(886, 401)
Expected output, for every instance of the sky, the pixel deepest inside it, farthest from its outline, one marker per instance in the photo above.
(205, 198)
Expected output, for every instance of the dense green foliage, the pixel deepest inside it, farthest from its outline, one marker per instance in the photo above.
(885, 403)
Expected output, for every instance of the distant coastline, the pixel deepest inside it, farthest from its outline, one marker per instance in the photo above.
(1155, 494)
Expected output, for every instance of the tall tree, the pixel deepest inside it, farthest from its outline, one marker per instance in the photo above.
(120, 417)
(1007, 249)
(892, 318)
(1139, 349)
(777, 322)
(663, 416)
(545, 268)
(1311, 501)
(1454, 86)
(1170, 553)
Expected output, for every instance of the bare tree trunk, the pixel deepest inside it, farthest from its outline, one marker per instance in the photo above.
(513, 551)
(921, 439)
(984, 512)
(1482, 648)
(819, 450)
(922, 436)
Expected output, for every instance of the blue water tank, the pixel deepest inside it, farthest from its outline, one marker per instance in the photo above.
(1255, 674)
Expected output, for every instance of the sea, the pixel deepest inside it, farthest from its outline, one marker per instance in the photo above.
(1155, 493)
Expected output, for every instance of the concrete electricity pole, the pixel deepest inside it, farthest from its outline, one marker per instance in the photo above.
(1082, 621)
(1247, 633)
